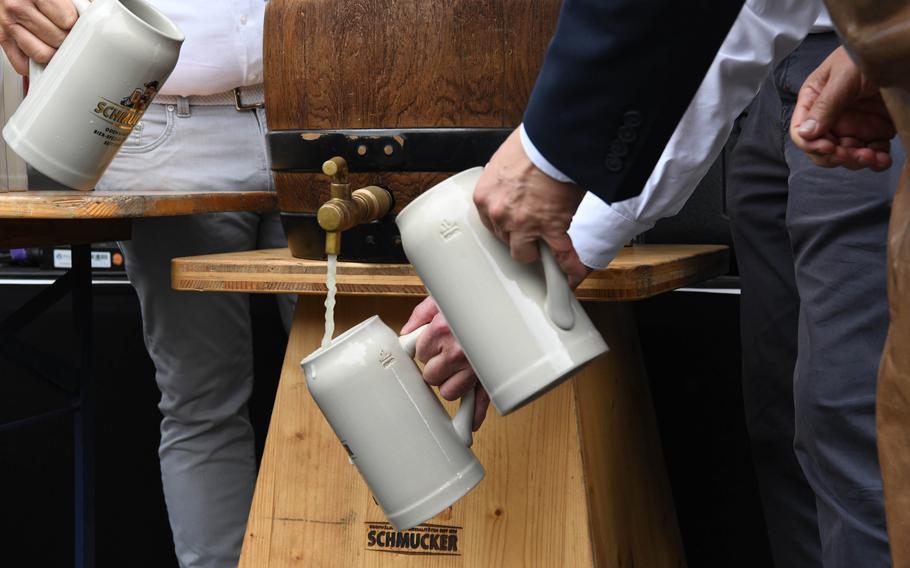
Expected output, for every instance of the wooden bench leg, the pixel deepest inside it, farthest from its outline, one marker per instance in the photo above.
(574, 479)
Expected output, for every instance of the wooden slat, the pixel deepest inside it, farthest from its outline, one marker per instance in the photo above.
(128, 204)
(642, 271)
(637, 272)
(20, 233)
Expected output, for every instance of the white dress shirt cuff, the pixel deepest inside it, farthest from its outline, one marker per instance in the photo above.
(599, 231)
(537, 158)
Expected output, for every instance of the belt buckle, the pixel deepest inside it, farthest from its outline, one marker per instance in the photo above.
(238, 104)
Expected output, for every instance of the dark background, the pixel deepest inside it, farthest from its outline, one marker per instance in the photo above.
(36, 463)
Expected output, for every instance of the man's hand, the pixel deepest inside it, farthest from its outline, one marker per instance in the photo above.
(522, 205)
(445, 365)
(34, 29)
(840, 118)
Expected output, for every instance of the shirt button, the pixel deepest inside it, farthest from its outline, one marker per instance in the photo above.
(242, 20)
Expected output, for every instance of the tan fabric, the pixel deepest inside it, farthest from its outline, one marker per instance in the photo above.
(877, 32)
(893, 401)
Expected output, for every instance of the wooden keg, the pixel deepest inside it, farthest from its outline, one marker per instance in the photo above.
(408, 91)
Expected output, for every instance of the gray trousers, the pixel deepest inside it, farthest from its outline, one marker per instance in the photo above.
(811, 247)
(200, 343)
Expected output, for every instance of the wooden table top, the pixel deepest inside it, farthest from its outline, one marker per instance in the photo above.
(637, 272)
(28, 205)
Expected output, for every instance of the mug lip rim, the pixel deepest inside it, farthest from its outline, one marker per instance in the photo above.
(341, 339)
(174, 34)
(453, 179)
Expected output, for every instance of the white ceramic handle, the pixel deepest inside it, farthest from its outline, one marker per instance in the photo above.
(463, 421)
(559, 297)
(34, 68)
(409, 342)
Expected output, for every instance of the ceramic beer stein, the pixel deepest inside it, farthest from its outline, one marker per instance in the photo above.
(415, 459)
(84, 104)
(521, 327)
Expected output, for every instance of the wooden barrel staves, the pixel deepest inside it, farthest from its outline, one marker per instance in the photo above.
(409, 92)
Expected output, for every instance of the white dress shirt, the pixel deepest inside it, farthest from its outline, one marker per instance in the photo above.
(763, 34)
(223, 46)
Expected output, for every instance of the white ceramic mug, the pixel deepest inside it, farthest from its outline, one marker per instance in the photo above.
(521, 327)
(415, 459)
(84, 104)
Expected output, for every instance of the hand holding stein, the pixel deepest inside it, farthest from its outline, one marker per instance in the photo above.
(96, 87)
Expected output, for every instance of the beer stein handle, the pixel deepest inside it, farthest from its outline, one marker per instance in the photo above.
(34, 68)
(463, 421)
(558, 303)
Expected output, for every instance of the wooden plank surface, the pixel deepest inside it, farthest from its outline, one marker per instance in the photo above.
(20, 233)
(574, 479)
(637, 272)
(457, 63)
(403, 64)
(128, 204)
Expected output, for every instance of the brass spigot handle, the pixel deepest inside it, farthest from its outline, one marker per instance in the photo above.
(337, 168)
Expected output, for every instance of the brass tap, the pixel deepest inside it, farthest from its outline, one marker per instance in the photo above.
(347, 209)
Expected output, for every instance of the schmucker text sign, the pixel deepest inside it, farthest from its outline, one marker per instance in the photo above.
(426, 539)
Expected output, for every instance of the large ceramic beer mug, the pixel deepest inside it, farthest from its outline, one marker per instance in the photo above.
(415, 459)
(521, 327)
(84, 104)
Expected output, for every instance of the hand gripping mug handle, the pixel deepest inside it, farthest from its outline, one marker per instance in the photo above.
(464, 418)
(34, 68)
(558, 303)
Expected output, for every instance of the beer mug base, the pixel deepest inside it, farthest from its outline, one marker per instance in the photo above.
(439, 500)
(546, 374)
(39, 160)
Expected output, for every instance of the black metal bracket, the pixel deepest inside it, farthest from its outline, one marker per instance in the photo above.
(77, 380)
(383, 150)
(41, 363)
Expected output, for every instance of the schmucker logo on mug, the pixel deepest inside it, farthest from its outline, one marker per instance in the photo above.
(125, 114)
(111, 64)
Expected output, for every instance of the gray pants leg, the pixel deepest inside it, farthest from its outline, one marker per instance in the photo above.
(769, 308)
(200, 342)
(830, 304)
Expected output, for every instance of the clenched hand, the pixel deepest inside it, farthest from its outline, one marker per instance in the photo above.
(840, 118)
(445, 365)
(522, 205)
(34, 29)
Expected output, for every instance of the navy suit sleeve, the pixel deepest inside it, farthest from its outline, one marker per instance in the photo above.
(617, 77)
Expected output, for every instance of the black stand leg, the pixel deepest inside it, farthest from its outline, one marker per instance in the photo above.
(84, 417)
(78, 282)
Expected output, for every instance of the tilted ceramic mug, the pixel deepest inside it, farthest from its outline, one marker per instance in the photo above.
(415, 459)
(520, 325)
(81, 108)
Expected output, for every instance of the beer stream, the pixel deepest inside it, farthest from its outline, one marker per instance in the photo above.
(330, 269)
